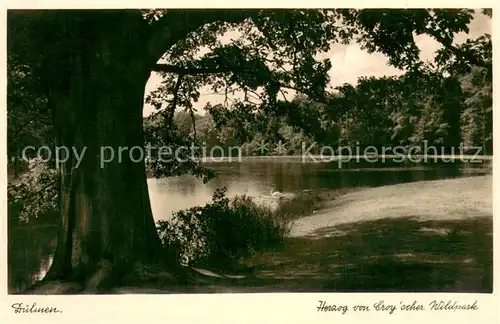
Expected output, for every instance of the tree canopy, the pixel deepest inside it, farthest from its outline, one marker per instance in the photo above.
(260, 53)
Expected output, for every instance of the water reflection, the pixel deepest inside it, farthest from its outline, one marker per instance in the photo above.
(30, 247)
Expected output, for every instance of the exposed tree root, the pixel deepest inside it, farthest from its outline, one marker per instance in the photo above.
(110, 278)
(103, 278)
(54, 287)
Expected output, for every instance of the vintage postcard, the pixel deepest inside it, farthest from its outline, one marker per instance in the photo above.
(249, 164)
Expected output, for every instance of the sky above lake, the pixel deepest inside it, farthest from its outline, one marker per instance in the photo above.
(349, 62)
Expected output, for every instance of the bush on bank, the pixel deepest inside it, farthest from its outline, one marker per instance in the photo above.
(223, 231)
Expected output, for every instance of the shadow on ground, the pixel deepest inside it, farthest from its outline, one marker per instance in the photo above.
(402, 254)
(398, 255)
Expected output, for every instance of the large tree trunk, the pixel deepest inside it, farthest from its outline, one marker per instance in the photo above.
(97, 106)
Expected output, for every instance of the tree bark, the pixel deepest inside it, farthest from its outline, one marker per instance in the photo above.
(483, 131)
(16, 162)
(97, 98)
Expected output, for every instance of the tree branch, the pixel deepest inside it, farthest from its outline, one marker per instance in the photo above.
(32, 195)
(18, 131)
(232, 69)
(176, 98)
(191, 70)
(458, 52)
(193, 119)
(175, 25)
(283, 94)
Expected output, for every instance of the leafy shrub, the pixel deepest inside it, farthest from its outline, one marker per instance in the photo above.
(33, 194)
(222, 232)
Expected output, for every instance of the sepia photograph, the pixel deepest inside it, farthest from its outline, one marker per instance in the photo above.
(223, 151)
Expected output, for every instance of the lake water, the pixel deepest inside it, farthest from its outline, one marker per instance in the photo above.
(257, 178)
(29, 252)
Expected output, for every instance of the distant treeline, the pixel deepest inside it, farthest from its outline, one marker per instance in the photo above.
(378, 112)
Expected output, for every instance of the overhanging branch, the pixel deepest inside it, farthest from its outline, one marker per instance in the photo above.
(458, 52)
(174, 101)
(191, 70)
(180, 70)
(175, 25)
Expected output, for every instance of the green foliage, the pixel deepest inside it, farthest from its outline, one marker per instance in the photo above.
(387, 111)
(477, 116)
(381, 29)
(273, 51)
(169, 155)
(473, 52)
(28, 118)
(33, 195)
(221, 232)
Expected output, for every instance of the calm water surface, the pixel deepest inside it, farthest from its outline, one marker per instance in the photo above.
(30, 250)
(258, 178)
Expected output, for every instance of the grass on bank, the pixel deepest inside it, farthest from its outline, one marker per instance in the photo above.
(390, 254)
(384, 255)
(447, 199)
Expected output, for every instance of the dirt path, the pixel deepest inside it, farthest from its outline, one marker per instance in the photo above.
(428, 200)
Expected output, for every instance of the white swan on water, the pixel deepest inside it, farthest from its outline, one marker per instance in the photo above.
(276, 194)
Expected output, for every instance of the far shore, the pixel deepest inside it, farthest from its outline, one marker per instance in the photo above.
(311, 158)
